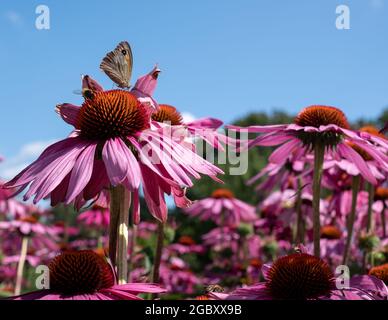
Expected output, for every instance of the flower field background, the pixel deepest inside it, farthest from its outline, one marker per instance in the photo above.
(202, 254)
(143, 157)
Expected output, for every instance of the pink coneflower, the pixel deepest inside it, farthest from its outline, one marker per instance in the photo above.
(322, 125)
(60, 227)
(96, 217)
(222, 238)
(378, 169)
(380, 142)
(27, 227)
(301, 276)
(7, 276)
(288, 214)
(381, 196)
(176, 276)
(325, 131)
(10, 206)
(331, 232)
(332, 244)
(110, 146)
(146, 230)
(185, 244)
(283, 175)
(113, 146)
(205, 128)
(380, 272)
(223, 208)
(85, 275)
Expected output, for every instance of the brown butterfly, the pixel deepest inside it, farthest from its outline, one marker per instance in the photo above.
(214, 288)
(118, 63)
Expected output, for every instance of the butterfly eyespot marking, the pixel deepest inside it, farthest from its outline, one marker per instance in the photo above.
(124, 52)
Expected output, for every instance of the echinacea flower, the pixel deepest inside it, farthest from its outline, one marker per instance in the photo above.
(85, 275)
(7, 274)
(222, 238)
(96, 216)
(27, 226)
(223, 208)
(10, 206)
(185, 244)
(324, 125)
(176, 276)
(301, 276)
(381, 198)
(330, 232)
(112, 144)
(325, 131)
(204, 128)
(282, 175)
(380, 272)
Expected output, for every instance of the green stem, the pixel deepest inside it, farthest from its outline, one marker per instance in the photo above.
(20, 269)
(383, 221)
(67, 219)
(132, 250)
(371, 194)
(352, 218)
(364, 261)
(319, 153)
(120, 199)
(299, 237)
(100, 244)
(372, 260)
(158, 252)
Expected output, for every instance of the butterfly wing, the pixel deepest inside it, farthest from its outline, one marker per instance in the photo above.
(118, 63)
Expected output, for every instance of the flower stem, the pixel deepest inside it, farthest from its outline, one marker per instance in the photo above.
(120, 199)
(371, 194)
(20, 269)
(383, 220)
(67, 219)
(132, 250)
(158, 252)
(319, 153)
(352, 218)
(299, 237)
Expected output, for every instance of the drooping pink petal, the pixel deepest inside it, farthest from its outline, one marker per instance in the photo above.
(53, 174)
(147, 83)
(58, 149)
(81, 173)
(115, 161)
(69, 113)
(153, 195)
(91, 84)
(281, 154)
(369, 283)
(98, 181)
(271, 139)
(353, 156)
(136, 207)
(133, 169)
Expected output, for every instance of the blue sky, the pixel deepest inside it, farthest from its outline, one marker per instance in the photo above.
(219, 58)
